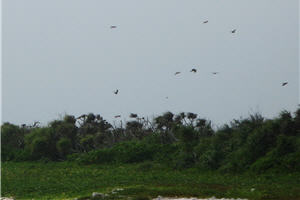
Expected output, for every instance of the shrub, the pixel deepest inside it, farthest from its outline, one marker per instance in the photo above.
(64, 146)
(41, 143)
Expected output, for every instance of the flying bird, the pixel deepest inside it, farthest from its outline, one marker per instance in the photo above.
(233, 31)
(117, 116)
(113, 27)
(205, 22)
(215, 73)
(177, 73)
(284, 83)
(116, 92)
(193, 70)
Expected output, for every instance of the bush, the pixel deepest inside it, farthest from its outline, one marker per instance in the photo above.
(133, 151)
(94, 157)
(41, 143)
(64, 146)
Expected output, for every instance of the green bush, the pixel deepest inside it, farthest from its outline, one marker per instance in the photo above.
(134, 151)
(41, 143)
(64, 146)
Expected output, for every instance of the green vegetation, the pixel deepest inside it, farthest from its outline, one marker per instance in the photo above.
(64, 180)
(170, 155)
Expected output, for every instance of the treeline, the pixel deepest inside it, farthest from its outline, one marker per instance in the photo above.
(180, 141)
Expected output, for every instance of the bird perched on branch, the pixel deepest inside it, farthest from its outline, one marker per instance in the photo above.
(132, 115)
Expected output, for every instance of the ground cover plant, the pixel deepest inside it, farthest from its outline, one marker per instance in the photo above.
(64, 180)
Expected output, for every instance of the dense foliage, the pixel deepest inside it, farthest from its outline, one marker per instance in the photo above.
(180, 141)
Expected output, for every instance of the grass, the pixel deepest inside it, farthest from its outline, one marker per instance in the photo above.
(63, 180)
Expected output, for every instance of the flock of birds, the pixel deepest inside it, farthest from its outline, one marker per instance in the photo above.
(192, 70)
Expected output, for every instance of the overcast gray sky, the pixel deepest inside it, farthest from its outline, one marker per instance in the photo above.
(60, 56)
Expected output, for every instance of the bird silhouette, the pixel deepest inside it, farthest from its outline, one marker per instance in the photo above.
(193, 70)
(215, 73)
(233, 31)
(113, 27)
(177, 73)
(132, 115)
(116, 92)
(284, 83)
(205, 22)
(117, 116)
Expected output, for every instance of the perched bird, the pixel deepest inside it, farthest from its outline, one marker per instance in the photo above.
(113, 27)
(284, 83)
(177, 73)
(215, 73)
(116, 92)
(117, 116)
(205, 22)
(194, 70)
(132, 115)
(233, 31)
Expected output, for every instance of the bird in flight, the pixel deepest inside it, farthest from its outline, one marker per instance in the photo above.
(193, 70)
(177, 73)
(116, 92)
(117, 116)
(113, 27)
(215, 73)
(233, 31)
(205, 22)
(284, 83)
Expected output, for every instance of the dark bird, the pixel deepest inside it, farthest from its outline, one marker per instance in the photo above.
(205, 22)
(284, 83)
(193, 70)
(117, 116)
(116, 92)
(113, 27)
(177, 73)
(233, 31)
(132, 115)
(215, 73)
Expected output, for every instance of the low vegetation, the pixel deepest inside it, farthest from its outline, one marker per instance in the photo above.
(170, 155)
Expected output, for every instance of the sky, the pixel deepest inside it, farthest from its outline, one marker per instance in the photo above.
(61, 57)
